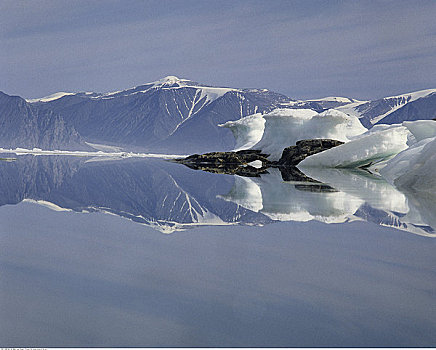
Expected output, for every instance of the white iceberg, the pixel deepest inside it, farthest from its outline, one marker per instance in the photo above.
(370, 148)
(415, 167)
(421, 129)
(281, 128)
(247, 131)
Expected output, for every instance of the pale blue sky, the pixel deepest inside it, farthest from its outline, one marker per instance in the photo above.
(304, 49)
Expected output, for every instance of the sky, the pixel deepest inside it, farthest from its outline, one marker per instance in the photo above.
(303, 49)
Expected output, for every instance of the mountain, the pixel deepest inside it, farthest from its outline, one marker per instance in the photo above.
(171, 114)
(394, 109)
(174, 115)
(27, 126)
(322, 104)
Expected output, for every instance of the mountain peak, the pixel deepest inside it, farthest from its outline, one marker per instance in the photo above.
(170, 80)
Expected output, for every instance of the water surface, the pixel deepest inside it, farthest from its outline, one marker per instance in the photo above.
(249, 261)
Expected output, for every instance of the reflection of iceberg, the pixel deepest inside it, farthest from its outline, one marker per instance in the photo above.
(370, 188)
(286, 201)
(359, 195)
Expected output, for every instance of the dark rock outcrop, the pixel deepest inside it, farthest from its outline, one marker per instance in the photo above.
(293, 155)
(231, 163)
(237, 163)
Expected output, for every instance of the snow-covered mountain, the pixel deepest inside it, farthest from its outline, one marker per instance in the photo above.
(181, 116)
(321, 104)
(394, 109)
(171, 114)
(26, 125)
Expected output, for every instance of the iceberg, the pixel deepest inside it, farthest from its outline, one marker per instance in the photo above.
(283, 127)
(415, 167)
(421, 129)
(247, 131)
(372, 147)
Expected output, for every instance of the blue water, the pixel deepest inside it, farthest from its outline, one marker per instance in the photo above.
(84, 278)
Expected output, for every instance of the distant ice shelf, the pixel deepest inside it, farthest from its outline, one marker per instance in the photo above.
(111, 155)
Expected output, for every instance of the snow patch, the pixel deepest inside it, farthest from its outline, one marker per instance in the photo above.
(46, 204)
(51, 97)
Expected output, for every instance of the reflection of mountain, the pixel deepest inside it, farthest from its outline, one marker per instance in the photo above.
(151, 192)
(351, 195)
(171, 197)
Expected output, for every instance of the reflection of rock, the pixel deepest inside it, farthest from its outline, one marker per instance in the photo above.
(292, 173)
(315, 188)
(222, 158)
(293, 155)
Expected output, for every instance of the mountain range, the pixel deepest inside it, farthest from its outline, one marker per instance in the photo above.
(173, 115)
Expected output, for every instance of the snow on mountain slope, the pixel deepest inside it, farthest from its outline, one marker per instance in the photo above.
(373, 112)
(174, 115)
(49, 98)
(334, 99)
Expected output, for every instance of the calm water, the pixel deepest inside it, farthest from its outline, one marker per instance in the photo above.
(248, 261)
